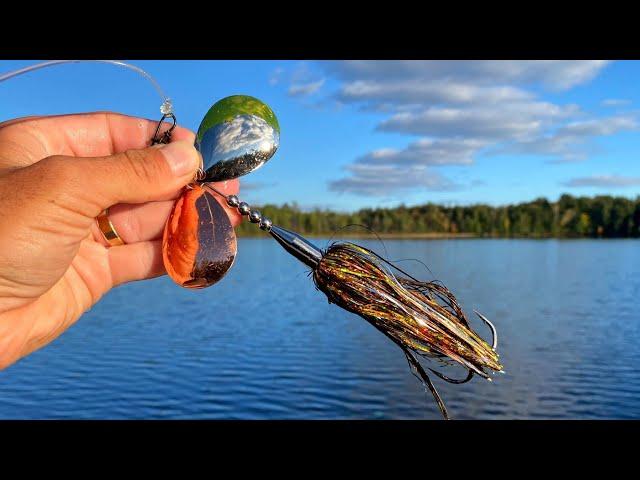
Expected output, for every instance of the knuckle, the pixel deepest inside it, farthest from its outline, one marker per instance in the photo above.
(61, 182)
(143, 167)
(58, 171)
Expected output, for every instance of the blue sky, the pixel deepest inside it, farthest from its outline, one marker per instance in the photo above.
(370, 133)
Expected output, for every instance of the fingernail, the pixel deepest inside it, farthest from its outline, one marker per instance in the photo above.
(182, 157)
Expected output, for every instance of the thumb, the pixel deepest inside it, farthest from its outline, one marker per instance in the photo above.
(135, 176)
(150, 174)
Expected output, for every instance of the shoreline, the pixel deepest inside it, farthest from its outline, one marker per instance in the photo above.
(433, 236)
(387, 236)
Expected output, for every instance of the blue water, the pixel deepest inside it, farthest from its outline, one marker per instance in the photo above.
(263, 343)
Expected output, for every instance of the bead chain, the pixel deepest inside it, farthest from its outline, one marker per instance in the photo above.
(245, 210)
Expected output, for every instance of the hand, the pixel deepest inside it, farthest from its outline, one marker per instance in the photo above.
(56, 175)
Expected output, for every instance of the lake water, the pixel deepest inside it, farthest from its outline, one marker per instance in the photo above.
(264, 344)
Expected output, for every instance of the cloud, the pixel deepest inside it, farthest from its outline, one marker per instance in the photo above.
(413, 91)
(305, 80)
(608, 181)
(459, 109)
(385, 171)
(509, 122)
(615, 102)
(571, 142)
(381, 180)
(304, 89)
(555, 74)
(426, 152)
(276, 76)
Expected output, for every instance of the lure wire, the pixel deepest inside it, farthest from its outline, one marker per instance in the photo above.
(166, 101)
(166, 108)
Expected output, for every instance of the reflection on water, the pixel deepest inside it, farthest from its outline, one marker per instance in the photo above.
(264, 344)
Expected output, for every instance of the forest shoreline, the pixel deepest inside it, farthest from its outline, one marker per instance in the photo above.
(569, 217)
(434, 236)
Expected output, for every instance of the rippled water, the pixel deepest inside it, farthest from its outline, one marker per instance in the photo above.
(264, 344)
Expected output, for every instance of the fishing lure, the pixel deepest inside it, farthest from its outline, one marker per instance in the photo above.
(240, 134)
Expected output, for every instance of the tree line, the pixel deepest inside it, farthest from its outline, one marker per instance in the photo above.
(600, 216)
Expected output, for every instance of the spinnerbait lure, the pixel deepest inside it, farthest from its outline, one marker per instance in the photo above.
(238, 135)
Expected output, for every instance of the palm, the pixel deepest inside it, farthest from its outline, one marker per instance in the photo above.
(88, 277)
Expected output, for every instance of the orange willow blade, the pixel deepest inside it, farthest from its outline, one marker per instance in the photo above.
(199, 242)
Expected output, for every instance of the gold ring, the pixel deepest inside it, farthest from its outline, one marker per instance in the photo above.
(107, 229)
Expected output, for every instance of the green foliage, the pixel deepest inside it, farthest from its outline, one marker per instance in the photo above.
(601, 216)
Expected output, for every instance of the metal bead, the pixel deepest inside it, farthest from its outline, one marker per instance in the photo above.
(233, 201)
(255, 217)
(265, 224)
(244, 208)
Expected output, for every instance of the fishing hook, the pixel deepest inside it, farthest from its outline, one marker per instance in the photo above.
(494, 332)
(416, 368)
(453, 380)
(494, 345)
(418, 371)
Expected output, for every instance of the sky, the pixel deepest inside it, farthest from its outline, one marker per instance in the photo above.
(358, 134)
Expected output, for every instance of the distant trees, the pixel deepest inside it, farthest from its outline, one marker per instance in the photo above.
(601, 216)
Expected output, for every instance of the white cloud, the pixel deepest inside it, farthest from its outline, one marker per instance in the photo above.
(426, 152)
(615, 102)
(416, 91)
(305, 80)
(460, 108)
(608, 181)
(276, 76)
(387, 171)
(571, 142)
(304, 89)
(556, 74)
(381, 180)
(599, 127)
(512, 121)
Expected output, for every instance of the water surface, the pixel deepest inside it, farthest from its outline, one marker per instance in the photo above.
(264, 344)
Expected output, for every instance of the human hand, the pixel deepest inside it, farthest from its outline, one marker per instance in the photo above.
(56, 175)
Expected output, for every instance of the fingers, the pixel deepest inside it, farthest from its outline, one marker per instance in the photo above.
(137, 176)
(89, 185)
(144, 222)
(82, 135)
(138, 261)
(138, 223)
(141, 228)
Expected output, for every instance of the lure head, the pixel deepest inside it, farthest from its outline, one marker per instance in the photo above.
(238, 135)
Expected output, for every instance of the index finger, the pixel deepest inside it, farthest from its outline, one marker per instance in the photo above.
(92, 134)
